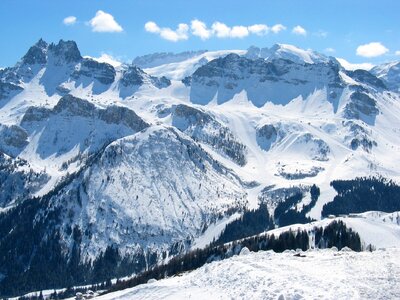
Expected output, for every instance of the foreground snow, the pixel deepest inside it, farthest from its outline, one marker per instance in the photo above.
(322, 274)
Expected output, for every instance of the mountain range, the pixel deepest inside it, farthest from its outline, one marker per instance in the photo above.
(108, 170)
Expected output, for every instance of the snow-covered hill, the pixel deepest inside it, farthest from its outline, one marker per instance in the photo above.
(323, 274)
(149, 161)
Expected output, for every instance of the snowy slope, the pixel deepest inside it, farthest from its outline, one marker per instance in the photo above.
(389, 73)
(323, 274)
(128, 199)
(152, 162)
(288, 52)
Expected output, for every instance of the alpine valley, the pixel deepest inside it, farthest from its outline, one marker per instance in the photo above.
(109, 170)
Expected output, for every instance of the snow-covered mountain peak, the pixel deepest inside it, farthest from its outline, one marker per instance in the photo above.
(389, 73)
(289, 52)
(36, 54)
(41, 52)
(263, 80)
(67, 51)
(162, 58)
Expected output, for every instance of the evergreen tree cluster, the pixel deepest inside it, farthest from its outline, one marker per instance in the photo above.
(338, 235)
(286, 212)
(363, 194)
(251, 223)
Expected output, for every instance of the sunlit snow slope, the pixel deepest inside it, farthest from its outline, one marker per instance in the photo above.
(320, 274)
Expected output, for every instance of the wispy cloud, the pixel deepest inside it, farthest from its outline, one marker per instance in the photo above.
(397, 52)
(330, 50)
(299, 30)
(373, 49)
(104, 22)
(321, 34)
(181, 33)
(217, 29)
(71, 20)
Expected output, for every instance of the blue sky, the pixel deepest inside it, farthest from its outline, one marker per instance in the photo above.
(334, 27)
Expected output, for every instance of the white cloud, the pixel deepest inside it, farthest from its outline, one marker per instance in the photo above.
(330, 50)
(152, 27)
(239, 32)
(397, 52)
(199, 29)
(221, 30)
(71, 20)
(299, 30)
(217, 29)
(181, 33)
(104, 22)
(278, 28)
(373, 49)
(351, 67)
(258, 29)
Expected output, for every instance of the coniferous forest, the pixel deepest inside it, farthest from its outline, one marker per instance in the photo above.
(363, 194)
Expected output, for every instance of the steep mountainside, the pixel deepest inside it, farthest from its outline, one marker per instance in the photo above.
(101, 163)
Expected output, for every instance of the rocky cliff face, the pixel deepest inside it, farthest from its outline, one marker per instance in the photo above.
(277, 81)
(203, 127)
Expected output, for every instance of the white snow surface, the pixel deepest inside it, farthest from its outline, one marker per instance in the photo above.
(324, 274)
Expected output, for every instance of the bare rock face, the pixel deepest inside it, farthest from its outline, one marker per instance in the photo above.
(41, 52)
(7, 90)
(261, 80)
(358, 136)
(103, 72)
(65, 51)
(134, 76)
(203, 127)
(361, 107)
(13, 139)
(37, 54)
(266, 135)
